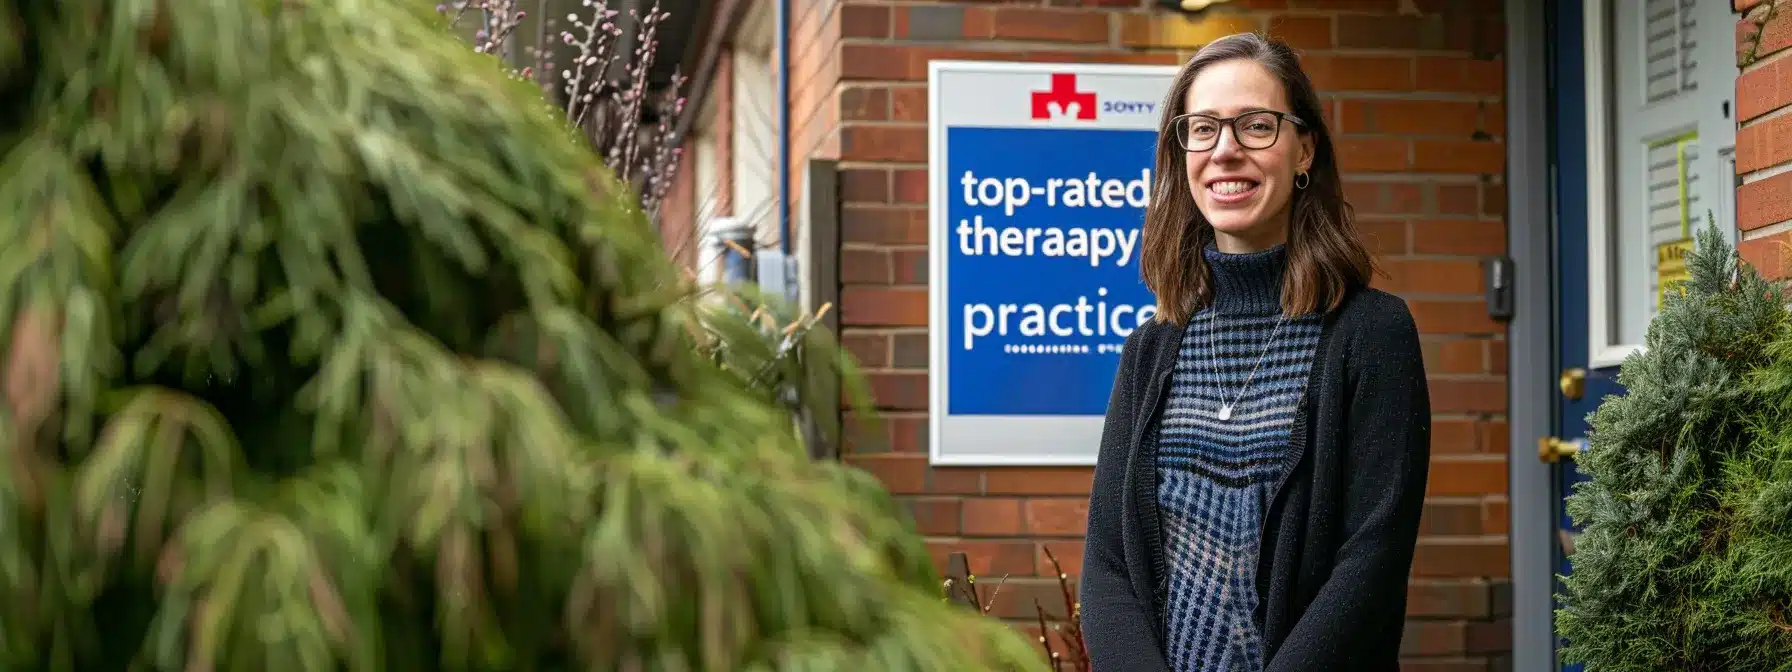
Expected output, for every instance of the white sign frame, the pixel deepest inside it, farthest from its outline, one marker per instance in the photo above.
(972, 440)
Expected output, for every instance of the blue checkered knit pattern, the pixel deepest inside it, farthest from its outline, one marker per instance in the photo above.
(1215, 476)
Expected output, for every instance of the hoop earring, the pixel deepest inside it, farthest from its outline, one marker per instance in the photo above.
(1302, 180)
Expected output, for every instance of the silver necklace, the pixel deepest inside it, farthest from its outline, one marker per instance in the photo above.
(1225, 412)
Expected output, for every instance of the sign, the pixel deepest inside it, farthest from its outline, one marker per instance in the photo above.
(1039, 175)
(1670, 268)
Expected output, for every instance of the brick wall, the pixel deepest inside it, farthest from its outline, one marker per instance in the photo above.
(678, 215)
(1764, 134)
(815, 32)
(1414, 90)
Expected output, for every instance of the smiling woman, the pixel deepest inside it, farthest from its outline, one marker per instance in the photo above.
(1283, 467)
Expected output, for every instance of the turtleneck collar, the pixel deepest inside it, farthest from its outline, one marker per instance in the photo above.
(1247, 284)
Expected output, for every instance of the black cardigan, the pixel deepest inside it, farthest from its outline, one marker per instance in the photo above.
(1337, 540)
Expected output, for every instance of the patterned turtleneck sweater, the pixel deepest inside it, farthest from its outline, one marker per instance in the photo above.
(1223, 443)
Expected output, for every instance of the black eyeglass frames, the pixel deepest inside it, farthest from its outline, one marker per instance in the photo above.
(1251, 130)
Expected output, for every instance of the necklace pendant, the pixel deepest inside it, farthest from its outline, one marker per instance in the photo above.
(1225, 413)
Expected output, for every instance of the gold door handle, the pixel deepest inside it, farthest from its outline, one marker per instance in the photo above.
(1551, 449)
(1573, 383)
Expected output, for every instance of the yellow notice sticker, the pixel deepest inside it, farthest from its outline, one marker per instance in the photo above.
(1670, 268)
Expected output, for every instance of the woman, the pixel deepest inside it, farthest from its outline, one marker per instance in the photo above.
(1257, 494)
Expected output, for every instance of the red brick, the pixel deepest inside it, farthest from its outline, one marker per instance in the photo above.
(1468, 396)
(1464, 475)
(874, 61)
(936, 516)
(868, 349)
(861, 103)
(1453, 317)
(1448, 599)
(1303, 32)
(1770, 255)
(864, 267)
(1453, 435)
(1496, 358)
(1452, 74)
(1036, 25)
(1496, 516)
(1354, 116)
(1472, 557)
(899, 390)
(1360, 73)
(900, 474)
(883, 143)
(864, 185)
(885, 226)
(1435, 276)
(1496, 437)
(1434, 638)
(992, 517)
(1383, 198)
(1069, 555)
(908, 434)
(1764, 144)
(1768, 39)
(1450, 517)
(1458, 199)
(1764, 202)
(1459, 236)
(1380, 6)
(1413, 117)
(1021, 597)
(1058, 516)
(1371, 31)
(909, 351)
(1451, 664)
(910, 186)
(910, 267)
(903, 21)
(908, 103)
(864, 21)
(1468, 355)
(989, 560)
(1039, 481)
(1357, 155)
(1493, 118)
(1384, 237)
(873, 306)
(862, 435)
(955, 480)
(1459, 156)
(1489, 637)
(1764, 89)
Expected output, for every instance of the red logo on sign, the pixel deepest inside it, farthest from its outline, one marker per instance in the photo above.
(1063, 94)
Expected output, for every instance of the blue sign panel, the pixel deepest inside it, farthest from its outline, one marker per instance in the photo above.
(1043, 248)
(1039, 178)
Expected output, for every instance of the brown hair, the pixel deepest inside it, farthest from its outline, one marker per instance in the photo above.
(1326, 257)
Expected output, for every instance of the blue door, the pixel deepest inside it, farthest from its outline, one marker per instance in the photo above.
(1580, 385)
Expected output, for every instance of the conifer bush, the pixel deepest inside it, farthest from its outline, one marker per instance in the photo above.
(323, 348)
(1685, 561)
(786, 355)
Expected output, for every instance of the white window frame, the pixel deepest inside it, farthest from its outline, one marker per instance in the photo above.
(1601, 350)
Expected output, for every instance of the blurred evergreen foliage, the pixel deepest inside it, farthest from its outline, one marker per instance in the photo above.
(1685, 562)
(323, 347)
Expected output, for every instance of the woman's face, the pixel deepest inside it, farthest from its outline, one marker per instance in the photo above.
(1245, 193)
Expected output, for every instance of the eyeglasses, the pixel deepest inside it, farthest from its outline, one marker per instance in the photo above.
(1251, 130)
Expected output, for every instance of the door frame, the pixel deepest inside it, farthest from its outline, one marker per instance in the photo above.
(1530, 243)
